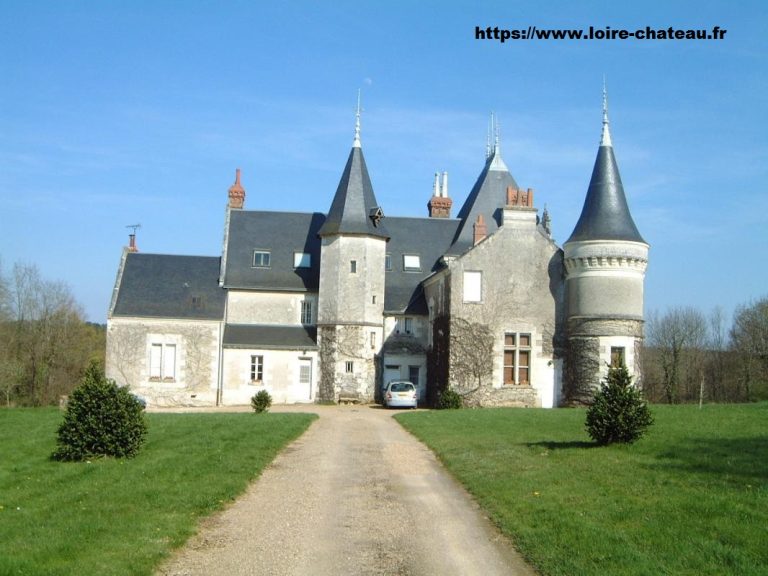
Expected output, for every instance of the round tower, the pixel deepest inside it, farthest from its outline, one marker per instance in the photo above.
(605, 261)
(351, 290)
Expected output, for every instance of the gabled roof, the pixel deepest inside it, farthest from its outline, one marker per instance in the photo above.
(605, 215)
(488, 197)
(282, 234)
(165, 286)
(354, 207)
(429, 238)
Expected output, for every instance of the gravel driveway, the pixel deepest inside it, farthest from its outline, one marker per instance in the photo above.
(355, 495)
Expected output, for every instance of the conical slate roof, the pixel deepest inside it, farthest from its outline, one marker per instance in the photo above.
(488, 197)
(354, 209)
(605, 215)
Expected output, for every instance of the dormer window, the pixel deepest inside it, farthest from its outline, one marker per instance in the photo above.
(411, 262)
(376, 214)
(302, 260)
(262, 258)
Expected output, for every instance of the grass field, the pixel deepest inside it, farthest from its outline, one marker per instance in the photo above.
(118, 517)
(689, 498)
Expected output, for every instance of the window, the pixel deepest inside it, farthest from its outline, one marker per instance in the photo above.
(373, 339)
(261, 258)
(353, 266)
(350, 367)
(302, 260)
(473, 286)
(388, 262)
(617, 356)
(197, 302)
(305, 371)
(404, 325)
(413, 375)
(517, 359)
(411, 262)
(306, 312)
(257, 369)
(162, 362)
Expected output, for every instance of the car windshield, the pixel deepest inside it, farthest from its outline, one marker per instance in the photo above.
(401, 387)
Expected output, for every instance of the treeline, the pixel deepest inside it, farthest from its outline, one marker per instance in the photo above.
(693, 357)
(45, 342)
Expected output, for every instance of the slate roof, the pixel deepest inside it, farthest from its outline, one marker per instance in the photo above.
(488, 197)
(166, 286)
(354, 202)
(605, 215)
(270, 336)
(280, 233)
(429, 238)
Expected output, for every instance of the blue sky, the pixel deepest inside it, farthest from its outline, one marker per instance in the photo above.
(115, 113)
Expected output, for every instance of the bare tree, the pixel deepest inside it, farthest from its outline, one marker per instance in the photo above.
(679, 337)
(749, 338)
(45, 344)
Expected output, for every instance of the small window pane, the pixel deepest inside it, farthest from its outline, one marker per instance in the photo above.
(509, 340)
(525, 340)
(155, 360)
(388, 262)
(169, 362)
(353, 266)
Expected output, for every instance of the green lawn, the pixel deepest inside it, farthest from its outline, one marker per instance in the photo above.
(689, 498)
(123, 516)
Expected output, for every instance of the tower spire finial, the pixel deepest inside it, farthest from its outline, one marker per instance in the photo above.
(356, 142)
(605, 139)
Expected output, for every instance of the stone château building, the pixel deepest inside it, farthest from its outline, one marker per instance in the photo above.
(317, 307)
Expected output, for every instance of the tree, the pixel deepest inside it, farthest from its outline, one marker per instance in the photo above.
(679, 337)
(45, 344)
(102, 419)
(618, 413)
(749, 338)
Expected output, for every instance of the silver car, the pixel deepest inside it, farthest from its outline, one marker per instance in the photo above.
(400, 394)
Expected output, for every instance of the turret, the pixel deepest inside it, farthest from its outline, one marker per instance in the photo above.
(351, 290)
(605, 260)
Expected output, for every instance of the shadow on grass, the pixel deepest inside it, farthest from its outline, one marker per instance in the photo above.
(566, 445)
(737, 457)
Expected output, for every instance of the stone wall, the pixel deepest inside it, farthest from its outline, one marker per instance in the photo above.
(506, 396)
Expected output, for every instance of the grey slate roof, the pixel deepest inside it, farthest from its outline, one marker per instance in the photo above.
(270, 336)
(430, 238)
(488, 197)
(165, 286)
(280, 233)
(354, 202)
(605, 215)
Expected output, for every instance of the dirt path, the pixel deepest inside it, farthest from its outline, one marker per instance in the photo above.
(355, 495)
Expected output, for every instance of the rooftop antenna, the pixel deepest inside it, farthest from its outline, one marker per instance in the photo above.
(132, 237)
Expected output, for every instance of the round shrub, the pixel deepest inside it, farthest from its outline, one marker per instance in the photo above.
(449, 400)
(261, 401)
(102, 419)
(619, 413)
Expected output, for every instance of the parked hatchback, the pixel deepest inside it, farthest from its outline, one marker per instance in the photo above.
(400, 394)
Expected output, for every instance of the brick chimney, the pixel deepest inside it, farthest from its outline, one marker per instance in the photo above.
(480, 229)
(440, 204)
(236, 193)
(132, 243)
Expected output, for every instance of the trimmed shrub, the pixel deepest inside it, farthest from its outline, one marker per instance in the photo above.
(102, 419)
(261, 401)
(449, 400)
(618, 413)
